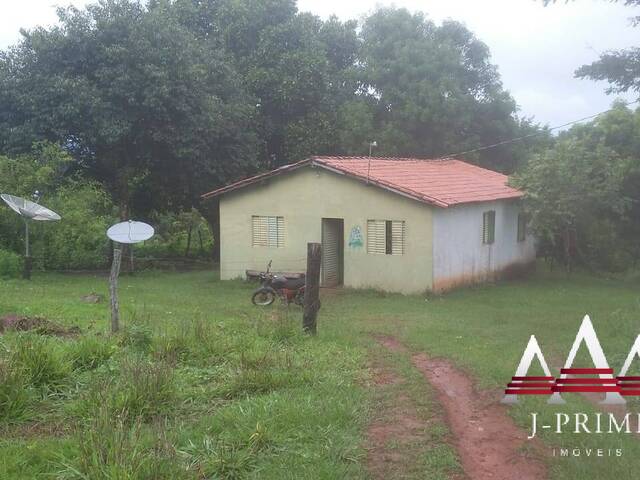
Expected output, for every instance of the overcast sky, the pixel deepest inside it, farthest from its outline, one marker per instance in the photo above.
(536, 48)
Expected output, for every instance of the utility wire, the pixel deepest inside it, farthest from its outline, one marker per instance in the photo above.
(531, 135)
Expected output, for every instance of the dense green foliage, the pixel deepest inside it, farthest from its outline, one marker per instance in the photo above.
(10, 264)
(154, 102)
(160, 101)
(77, 242)
(144, 107)
(583, 194)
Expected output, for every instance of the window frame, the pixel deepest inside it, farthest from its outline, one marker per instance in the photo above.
(521, 233)
(386, 237)
(273, 227)
(488, 227)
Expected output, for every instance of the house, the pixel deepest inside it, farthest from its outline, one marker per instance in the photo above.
(396, 224)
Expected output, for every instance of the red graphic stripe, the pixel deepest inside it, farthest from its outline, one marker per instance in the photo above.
(530, 384)
(581, 381)
(530, 391)
(629, 385)
(583, 389)
(525, 379)
(626, 379)
(586, 371)
(628, 393)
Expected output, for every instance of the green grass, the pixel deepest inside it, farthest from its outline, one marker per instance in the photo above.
(201, 384)
(484, 331)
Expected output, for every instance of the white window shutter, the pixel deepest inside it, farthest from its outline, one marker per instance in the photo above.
(376, 238)
(267, 231)
(397, 237)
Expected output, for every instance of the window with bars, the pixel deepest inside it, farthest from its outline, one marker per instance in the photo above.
(386, 237)
(522, 227)
(489, 227)
(267, 231)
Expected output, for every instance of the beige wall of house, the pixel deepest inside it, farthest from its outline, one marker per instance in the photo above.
(305, 196)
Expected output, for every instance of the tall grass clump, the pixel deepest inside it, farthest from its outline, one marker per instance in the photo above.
(41, 360)
(117, 449)
(141, 390)
(259, 372)
(193, 341)
(215, 458)
(90, 352)
(14, 392)
(138, 336)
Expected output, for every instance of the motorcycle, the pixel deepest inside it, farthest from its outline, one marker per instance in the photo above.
(289, 289)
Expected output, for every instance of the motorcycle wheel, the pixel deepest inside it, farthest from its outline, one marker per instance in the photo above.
(263, 297)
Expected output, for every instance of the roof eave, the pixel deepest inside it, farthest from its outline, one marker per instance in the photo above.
(253, 180)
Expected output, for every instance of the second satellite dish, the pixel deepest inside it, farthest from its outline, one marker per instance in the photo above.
(29, 209)
(130, 232)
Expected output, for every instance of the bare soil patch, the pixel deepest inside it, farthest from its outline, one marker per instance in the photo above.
(36, 324)
(490, 445)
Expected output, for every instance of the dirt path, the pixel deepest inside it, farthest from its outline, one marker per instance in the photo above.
(396, 425)
(489, 444)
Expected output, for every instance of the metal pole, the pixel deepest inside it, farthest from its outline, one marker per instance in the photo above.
(26, 238)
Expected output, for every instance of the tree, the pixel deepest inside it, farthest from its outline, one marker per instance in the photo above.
(434, 89)
(294, 64)
(140, 102)
(583, 194)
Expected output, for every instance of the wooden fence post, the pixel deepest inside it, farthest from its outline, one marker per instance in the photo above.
(113, 289)
(312, 288)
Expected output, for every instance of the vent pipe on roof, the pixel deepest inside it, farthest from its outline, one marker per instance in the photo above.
(371, 145)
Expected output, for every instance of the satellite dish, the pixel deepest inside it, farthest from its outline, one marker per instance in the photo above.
(124, 232)
(28, 209)
(130, 232)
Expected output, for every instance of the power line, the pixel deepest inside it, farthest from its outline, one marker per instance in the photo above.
(537, 134)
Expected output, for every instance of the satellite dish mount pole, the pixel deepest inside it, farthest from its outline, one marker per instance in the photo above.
(26, 273)
(113, 287)
(128, 232)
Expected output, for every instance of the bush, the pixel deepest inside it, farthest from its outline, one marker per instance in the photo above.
(79, 240)
(10, 264)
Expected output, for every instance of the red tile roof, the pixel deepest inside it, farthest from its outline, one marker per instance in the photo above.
(443, 183)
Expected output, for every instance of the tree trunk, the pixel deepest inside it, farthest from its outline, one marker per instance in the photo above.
(210, 210)
(186, 253)
(200, 239)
